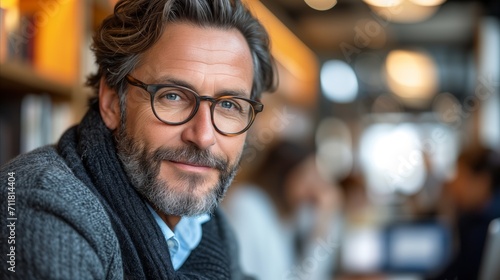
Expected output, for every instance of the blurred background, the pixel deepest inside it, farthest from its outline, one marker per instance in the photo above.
(376, 158)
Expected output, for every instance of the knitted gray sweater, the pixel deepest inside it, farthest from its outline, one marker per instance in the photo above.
(74, 215)
(61, 231)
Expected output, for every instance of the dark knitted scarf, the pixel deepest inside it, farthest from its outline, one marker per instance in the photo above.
(90, 152)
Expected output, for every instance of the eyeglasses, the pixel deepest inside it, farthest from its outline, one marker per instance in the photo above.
(175, 105)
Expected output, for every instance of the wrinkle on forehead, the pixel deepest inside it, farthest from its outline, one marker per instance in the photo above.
(210, 40)
(208, 58)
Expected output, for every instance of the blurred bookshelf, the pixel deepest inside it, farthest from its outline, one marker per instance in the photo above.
(19, 78)
(44, 58)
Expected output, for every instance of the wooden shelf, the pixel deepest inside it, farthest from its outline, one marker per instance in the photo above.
(16, 78)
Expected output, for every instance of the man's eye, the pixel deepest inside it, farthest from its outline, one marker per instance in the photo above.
(227, 104)
(171, 96)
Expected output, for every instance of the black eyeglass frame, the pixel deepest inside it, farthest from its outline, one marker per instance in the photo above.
(152, 89)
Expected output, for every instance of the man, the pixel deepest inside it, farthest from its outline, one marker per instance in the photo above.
(132, 191)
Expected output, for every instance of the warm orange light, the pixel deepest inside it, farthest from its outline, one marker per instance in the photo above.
(383, 3)
(11, 15)
(321, 5)
(428, 2)
(9, 4)
(403, 11)
(10, 22)
(58, 41)
(289, 51)
(411, 74)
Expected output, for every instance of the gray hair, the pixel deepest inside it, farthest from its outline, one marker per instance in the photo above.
(136, 25)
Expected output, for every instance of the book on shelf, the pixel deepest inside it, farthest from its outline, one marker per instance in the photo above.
(35, 122)
(3, 35)
(18, 35)
(9, 128)
(30, 122)
(42, 121)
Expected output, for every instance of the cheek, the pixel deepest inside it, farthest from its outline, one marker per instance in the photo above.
(143, 126)
(232, 147)
(137, 118)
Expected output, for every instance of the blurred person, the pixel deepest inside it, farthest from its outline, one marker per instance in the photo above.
(284, 217)
(356, 204)
(132, 192)
(474, 191)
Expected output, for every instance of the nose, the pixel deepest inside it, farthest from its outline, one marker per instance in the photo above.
(199, 131)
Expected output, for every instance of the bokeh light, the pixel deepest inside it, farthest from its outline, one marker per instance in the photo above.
(383, 3)
(334, 155)
(338, 81)
(428, 2)
(392, 159)
(404, 11)
(411, 75)
(321, 5)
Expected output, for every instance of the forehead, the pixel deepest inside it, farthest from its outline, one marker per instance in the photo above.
(201, 56)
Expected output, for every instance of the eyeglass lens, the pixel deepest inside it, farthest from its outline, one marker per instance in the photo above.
(175, 105)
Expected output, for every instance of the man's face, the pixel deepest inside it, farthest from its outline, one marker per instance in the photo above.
(185, 169)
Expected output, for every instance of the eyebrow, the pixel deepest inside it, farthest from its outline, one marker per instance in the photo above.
(179, 82)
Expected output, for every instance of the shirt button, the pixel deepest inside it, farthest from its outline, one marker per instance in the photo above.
(173, 245)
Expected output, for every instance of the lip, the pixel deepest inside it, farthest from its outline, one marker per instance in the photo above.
(190, 167)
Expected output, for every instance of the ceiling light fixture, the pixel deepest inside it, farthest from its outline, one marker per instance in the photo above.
(321, 5)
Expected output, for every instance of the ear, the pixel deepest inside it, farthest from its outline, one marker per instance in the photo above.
(109, 105)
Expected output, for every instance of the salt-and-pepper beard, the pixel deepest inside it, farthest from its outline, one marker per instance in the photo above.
(143, 166)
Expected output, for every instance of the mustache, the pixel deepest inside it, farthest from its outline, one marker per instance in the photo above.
(191, 155)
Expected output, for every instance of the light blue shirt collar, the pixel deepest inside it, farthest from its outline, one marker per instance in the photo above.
(184, 239)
